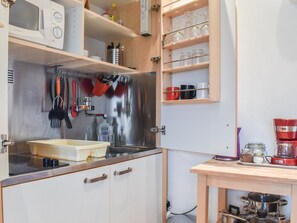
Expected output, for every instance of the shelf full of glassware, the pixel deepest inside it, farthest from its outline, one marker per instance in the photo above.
(190, 51)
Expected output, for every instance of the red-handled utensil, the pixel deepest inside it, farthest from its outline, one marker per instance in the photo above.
(67, 119)
(73, 104)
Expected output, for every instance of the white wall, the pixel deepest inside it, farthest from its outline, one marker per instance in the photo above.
(267, 67)
(267, 78)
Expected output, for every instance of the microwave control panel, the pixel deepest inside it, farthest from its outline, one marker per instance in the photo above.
(56, 39)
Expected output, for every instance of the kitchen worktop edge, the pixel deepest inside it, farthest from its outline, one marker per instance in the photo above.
(75, 167)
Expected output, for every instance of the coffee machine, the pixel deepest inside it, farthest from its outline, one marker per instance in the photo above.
(286, 140)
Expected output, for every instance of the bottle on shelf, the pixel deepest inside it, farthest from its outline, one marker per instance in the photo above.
(114, 14)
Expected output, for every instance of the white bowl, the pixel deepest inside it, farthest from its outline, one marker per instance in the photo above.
(96, 57)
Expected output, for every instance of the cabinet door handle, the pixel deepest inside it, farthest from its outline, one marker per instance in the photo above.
(94, 180)
(117, 173)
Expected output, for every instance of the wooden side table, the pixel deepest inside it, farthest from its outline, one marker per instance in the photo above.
(232, 175)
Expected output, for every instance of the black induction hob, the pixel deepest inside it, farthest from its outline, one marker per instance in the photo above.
(22, 164)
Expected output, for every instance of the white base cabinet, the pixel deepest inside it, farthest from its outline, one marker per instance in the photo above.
(134, 196)
(136, 191)
(62, 199)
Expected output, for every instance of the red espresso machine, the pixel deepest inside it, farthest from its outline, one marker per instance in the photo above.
(286, 140)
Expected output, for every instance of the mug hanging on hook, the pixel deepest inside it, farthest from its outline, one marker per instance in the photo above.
(122, 86)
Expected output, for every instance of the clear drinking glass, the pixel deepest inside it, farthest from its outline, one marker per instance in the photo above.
(182, 58)
(188, 25)
(204, 29)
(204, 16)
(188, 60)
(197, 56)
(179, 34)
(168, 39)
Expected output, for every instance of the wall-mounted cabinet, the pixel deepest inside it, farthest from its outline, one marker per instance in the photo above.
(191, 43)
(81, 26)
(207, 61)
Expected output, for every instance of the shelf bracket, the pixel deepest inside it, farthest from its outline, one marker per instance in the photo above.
(7, 3)
(156, 7)
(156, 59)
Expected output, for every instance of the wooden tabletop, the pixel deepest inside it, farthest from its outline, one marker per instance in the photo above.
(235, 169)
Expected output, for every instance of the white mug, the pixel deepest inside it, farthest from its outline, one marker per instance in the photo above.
(203, 93)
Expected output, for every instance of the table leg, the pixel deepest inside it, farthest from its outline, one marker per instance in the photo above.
(294, 202)
(202, 205)
(222, 199)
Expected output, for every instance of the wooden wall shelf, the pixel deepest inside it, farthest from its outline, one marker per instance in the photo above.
(180, 7)
(105, 4)
(186, 68)
(100, 28)
(29, 52)
(186, 43)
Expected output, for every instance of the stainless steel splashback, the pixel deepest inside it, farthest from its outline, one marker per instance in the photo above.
(131, 114)
(25, 99)
(134, 113)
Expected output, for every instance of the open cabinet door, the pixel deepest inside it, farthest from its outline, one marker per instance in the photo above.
(203, 125)
(3, 90)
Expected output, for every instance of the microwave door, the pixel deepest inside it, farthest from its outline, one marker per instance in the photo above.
(25, 21)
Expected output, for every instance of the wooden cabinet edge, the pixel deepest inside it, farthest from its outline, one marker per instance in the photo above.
(186, 68)
(171, 11)
(185, 43)
(2, 25)
(215, 50)
(190, 101)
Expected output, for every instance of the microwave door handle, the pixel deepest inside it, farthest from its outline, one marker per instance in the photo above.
(41, 22)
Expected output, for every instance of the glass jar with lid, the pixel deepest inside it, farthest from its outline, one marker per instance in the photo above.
(246, 155)
(258, 155)
(257, 151)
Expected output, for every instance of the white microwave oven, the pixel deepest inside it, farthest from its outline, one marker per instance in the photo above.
(40, 21)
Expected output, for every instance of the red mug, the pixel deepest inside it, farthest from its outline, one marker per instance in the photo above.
(172, 93)
(100, 88)
(122, 86)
